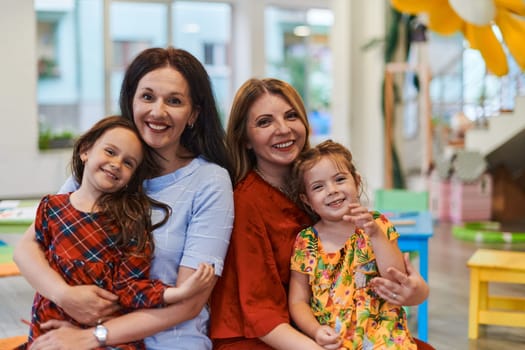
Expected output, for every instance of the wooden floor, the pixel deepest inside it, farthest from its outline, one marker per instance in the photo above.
(448, 301)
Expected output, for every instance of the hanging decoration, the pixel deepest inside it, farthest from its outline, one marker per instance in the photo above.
(476, 19)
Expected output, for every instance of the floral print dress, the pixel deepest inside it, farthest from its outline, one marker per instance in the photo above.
(341, 296)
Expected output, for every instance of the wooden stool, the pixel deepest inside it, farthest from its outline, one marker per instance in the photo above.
(488, 265)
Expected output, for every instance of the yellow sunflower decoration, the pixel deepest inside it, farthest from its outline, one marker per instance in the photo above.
(475, 19)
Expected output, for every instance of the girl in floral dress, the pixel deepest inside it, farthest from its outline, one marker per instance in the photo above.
(333, 261)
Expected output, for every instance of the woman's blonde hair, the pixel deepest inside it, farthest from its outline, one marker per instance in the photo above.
(236, 139)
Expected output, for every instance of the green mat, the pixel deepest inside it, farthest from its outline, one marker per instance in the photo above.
(6, 254)
(486, 232)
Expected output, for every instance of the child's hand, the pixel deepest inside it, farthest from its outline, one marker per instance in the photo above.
(200, 280)
(328, 338)
(362, 218)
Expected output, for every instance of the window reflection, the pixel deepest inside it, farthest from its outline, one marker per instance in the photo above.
(70, 81)
(204, 29)
(135, 26)
(73, 92)
(297, 49)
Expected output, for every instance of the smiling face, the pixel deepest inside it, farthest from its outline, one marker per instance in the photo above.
(329, 189)
(162, 109)
(112, 160)
(274, 132)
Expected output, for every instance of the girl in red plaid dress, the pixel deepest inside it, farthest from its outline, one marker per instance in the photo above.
(101, 233)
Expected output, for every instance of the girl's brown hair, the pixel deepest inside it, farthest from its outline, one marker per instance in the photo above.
(338, 153)
(236, 139)
(129, 208)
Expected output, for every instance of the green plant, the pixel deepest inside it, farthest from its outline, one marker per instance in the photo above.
(47, 139)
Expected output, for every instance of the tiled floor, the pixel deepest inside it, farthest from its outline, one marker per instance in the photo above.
(448, 301)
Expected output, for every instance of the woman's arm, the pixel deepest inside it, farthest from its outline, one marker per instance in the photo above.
(86, 304)
(126, 328)
(409, 289)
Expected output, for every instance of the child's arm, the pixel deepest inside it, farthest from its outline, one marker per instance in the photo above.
(386, 251)
(202, 279)
(299, 305)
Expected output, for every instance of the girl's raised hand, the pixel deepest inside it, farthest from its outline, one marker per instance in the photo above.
(362, 218)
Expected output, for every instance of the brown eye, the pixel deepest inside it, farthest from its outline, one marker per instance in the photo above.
(263, 122)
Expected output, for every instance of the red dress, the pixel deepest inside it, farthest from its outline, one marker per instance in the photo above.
(251, 297)
(82, 252)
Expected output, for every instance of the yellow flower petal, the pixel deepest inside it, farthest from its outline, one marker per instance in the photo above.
(514, 6)
(443, 19)
(483, 39)
(513, 31)
(410, 6)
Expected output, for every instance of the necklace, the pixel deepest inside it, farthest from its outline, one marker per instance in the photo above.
(283, 189)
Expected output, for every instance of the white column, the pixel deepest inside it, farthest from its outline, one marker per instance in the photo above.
(358, 76)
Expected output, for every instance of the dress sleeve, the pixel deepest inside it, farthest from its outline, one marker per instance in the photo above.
(304, 253)
(41, 225)
(262, 295)
(132, 284)
(386, 225)
(210, 226)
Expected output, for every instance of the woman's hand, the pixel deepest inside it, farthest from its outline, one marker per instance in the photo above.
(410, 289)
(62, 335)
(88, 304)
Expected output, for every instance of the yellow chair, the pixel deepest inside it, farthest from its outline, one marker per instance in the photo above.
(487, 265)
(12, 342)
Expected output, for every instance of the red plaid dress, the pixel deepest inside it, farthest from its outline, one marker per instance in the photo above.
(78, 248)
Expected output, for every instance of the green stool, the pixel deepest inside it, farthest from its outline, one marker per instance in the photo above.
(400, 200)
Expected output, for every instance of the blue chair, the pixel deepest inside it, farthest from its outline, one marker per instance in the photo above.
(410, 206)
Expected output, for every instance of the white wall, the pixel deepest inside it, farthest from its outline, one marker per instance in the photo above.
(25, 172)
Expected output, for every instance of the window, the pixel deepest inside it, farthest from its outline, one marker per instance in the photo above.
(297, 51)
(70, 92)
(73, 91)
(204, 29)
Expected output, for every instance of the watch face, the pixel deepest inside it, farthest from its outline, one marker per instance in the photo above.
(101, 333)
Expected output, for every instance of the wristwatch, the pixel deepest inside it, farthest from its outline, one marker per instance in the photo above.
(101, 333)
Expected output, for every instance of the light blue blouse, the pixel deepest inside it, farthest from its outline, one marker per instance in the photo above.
(201, 198)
